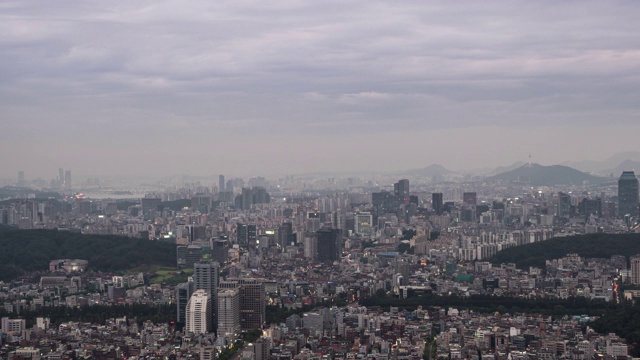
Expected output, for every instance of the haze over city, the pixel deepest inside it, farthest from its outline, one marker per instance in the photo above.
(275, 88)
(304, 180)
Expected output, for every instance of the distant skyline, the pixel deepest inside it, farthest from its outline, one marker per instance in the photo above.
(273, 88)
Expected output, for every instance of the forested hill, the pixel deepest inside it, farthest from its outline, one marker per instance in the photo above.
(588, 246)
(31, 250)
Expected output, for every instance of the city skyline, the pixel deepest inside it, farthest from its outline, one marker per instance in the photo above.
(244, 88)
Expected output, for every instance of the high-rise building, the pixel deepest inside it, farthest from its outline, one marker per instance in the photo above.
(242, 234)
(246, 234)
(67, 179)
(380, 199)
(401, 188)
(252, 304)
(564, 205)
(470, 198)
(260, 195)
(635, 269)
(310, 245)
(285, 232)
(628, 194)
(220, 251)
(221, 184)
(437, 203)
(363, 224)
(198, 314)
(228, 312)
(329, 244)
(252, 301)
(252, 234)
(183, 294)
(247, 198)
(206, 277)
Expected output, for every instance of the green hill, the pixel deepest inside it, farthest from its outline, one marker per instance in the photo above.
(31, 250)
(588, 246)
(539, 175)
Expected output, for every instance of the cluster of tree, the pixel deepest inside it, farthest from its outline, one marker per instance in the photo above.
(624, 321)
(98, 314)
(251, 335)
(430, 349)
(175, 205)
(15, 192)
(406, 248)
(501, 304)
(588, 246)
(408, 234)
(276, 314)
(31, 250)
(123, 205)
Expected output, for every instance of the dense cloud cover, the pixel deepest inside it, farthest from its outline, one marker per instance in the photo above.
(275, 87)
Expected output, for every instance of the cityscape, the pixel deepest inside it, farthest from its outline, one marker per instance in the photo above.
(326, 267)
(300, 180)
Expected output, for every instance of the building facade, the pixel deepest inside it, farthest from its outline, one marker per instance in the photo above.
(198, 314)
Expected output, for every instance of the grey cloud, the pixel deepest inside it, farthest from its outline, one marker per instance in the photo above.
(298, 69)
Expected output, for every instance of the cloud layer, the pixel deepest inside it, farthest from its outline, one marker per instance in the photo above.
(208, 87)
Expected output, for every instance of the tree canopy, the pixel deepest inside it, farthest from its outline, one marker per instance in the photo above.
(31, 250)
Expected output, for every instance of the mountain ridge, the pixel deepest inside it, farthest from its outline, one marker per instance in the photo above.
(543, 175)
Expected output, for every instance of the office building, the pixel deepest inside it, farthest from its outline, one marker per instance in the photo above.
(310, 245)
(470, 198)
(252, 304)
(564, 205)
(220, 251)
(285, 234)
(329, 244)
(635, 269)
(252, 301)
(198, 313)
(437, 203)
(380, 199)
(67, 179)
(363, 224)
(241, 234)
(228, 312)
(252, 236)
(627, 194)
(221, 184)
(12, 325)
(401, 188)
(206, 277)
(247, 199)
(183, 294)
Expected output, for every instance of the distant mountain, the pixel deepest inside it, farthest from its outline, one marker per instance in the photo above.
(502, 169)
(430, 171)
(604, 167)
(625, 166)
(539, 175)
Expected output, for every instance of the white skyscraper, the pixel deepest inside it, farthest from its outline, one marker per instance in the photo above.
(206, 277)
(228, 312)
(199, 313)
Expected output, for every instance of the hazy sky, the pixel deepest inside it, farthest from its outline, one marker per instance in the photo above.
(276, 87)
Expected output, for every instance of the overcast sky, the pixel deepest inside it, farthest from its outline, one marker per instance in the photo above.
(281, 87)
